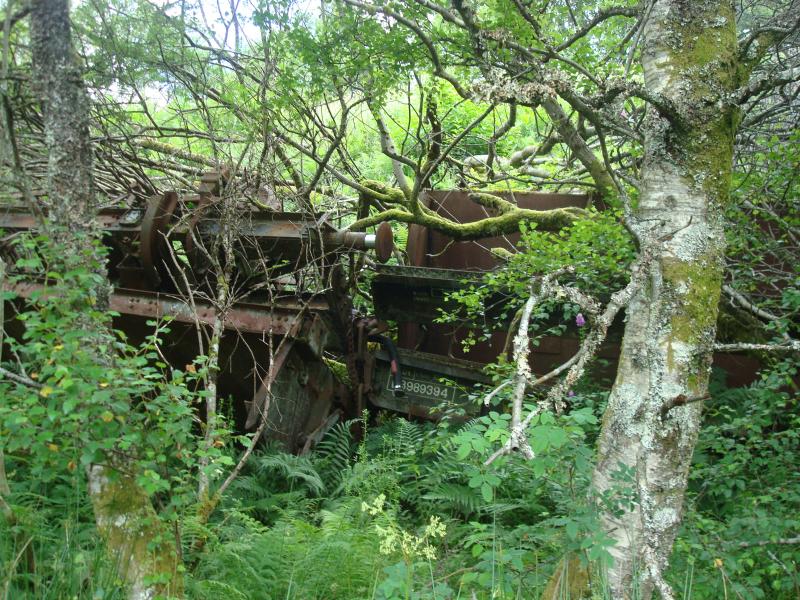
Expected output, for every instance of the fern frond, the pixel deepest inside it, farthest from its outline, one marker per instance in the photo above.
(333, 456)
(460, 498)
(293, 468)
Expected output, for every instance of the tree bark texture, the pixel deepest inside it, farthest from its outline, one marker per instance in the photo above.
(125, 518)
(134, 535)
(71, 201)
(689, 57)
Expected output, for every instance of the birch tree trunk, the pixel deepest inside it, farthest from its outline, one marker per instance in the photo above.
(125, 517)
(651, 424)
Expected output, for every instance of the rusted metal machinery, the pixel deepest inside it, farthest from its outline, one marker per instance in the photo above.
(429, 352)
(413, 295)
(292, 311)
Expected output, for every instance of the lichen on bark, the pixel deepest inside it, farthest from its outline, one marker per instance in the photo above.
(140, 547)
(689, 58)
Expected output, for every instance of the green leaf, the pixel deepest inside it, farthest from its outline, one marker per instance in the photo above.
(486, 492)
(572, 530)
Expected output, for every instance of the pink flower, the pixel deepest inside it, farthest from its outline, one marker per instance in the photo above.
(580, 321)
(570, 394)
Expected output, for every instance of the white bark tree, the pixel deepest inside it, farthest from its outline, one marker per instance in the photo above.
(689, 58)
(124, 515)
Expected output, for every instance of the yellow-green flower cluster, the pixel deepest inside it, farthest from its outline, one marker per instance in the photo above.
(394, 538)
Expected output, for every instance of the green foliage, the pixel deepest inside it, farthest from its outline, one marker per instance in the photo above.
(295, 527)
(292, 559)
(597, 250)
(50, 550)
(508, 525)
(406, 510)
(369, 532)
(95, 398)
(745, 491)
(83, 396)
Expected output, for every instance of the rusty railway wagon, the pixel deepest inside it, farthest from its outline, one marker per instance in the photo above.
(412, 295)
(294, 312)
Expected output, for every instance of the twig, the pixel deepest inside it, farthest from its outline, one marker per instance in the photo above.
(779, 542)
(495, 391)
(681, 401)
(747, 305)
(20, 379)
(789, 346)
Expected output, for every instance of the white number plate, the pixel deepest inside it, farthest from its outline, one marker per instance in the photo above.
(430, 390)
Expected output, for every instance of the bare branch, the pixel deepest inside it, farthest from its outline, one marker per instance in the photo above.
(738, 298)
(162, 148)
(768, 82)
(504, 129)
(605, 183)
(788, 346)
(779, 542)
(602, 15)
(430, 168)
(389, 149)
(589, 347)
(20, 379)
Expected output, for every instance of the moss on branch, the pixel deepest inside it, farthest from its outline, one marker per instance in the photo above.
(547, 220)
(383, 193)
(507, 221)
(492, 202)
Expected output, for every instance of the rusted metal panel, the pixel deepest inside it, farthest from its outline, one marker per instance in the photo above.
(302, 390)
(246, 318)
(417, 243)
(429, 381)
(302, 397)
(19, 218)
(259, 404)
(153, 244)
(414, 295)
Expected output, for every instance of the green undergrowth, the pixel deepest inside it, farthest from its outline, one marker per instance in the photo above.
(49, 548)
(410, 512)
